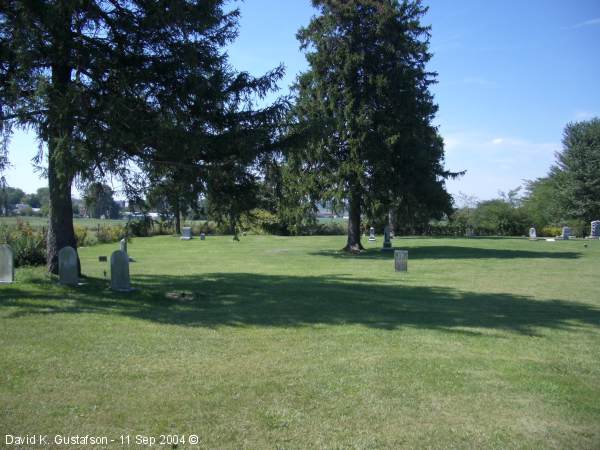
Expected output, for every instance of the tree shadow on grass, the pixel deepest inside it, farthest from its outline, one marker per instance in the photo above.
(448, 252)
(245, 299)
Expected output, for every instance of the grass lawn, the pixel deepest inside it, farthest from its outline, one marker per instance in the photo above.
(284, 342)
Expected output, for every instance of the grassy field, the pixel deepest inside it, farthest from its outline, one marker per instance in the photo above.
(284, 342)
(43, 221)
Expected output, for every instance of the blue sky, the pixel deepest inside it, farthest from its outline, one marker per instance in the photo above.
(511, 75)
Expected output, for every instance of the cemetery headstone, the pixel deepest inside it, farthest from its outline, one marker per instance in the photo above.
(7, 264)
(202, 236)
(186, 233)
(124, 245)
(401, 260)
(119, 272)
(371, 234)
(532, 233)
(595, 232)
(68, 270)
(566, 233)
(387, 243)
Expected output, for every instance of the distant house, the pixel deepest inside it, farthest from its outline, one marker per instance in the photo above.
(21, 208)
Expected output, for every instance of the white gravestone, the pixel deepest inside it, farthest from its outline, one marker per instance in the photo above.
(566, 233)
(119, 272)
(7, 264)
(123, 245)
(371, 234)
(387, 243)
(401, 260)
(532, 233)
(186, 233)
(68, 271)
(595, 231)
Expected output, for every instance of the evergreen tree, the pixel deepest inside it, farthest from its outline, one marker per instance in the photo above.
(363, 113)
(578, 170)
(107, 82)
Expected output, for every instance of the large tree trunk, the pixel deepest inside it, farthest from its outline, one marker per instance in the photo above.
(61, 161)
(60, 228)
(177, 216)
(353, 244)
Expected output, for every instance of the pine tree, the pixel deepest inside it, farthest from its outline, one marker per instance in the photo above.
(578, 170)
(104, 83)
(363, 111)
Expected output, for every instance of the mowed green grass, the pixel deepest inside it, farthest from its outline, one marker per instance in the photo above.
(285, 342)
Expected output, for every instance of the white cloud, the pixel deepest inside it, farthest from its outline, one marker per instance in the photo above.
(495, 162)
(586, 23)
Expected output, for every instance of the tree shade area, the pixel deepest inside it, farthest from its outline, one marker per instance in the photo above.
(488, 343)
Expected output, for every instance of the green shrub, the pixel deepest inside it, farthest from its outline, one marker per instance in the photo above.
(81, 236)
(107, 234)
(140, 227)
(28, 244)
(550, 231)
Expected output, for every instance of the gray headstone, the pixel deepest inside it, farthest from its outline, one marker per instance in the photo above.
(566, 233)
(186, 233)
(401, 260)
(387, 243)
(371, 234)
(124, 245)
(7, 264)
(595, 229)
(68, 271)
(202, 236)
(119, 271)
(532, 233)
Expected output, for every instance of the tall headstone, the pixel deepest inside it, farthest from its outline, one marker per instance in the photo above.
(7, 264)
(566, 233)
(532, 234)
(119, 272)
(202, 236)
(387, 243)
(595, 232)
(124, 245)
(186, 233)
(371, 234)
(68, 269)
(401, 260)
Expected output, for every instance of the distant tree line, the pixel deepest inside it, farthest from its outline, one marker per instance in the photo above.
(568, 195)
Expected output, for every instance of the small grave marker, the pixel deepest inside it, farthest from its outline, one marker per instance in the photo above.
(595, 231)
(186, 233)
(7, 264)
(123, 244)
(387, 243)
(372, 234)
(68, 270)
(532, 234)
(401, 260)
(119, 272)
(566, 233)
